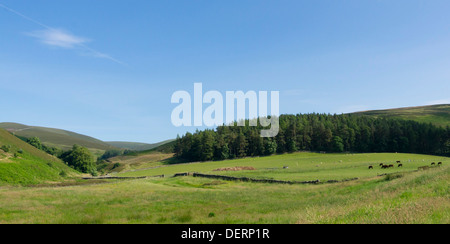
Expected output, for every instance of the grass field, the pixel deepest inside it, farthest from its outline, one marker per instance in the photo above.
(303, 166)
(404, 196)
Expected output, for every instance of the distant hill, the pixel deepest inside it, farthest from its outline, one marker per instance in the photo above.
(62, 139)
(23, 164)
(136, 146)
(166, 147)
(436, 114)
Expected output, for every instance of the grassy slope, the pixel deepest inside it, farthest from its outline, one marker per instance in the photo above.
(166, 147)
(137, 162)
(159, 155)
(138, 146)
(30, 167)
(435, 114)
(58, 138)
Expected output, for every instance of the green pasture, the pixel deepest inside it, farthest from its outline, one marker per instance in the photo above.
(403, 195)
(303, 166)
(416, 197)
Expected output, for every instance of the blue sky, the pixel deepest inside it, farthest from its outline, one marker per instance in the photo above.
(108, 68)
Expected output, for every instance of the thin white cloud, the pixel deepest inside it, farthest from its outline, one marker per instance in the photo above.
(96, 54)
(58, 38)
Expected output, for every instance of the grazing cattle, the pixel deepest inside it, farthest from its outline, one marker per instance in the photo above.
(370, 167)
(381, 164)
(398, 162)
(384, 166)
(391, 166)
(440, 163)
(433, 163)
(400, 165)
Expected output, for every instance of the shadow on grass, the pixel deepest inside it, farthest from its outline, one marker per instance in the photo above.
(173, 160)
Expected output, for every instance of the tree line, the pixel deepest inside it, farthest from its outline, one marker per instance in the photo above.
(315, 132)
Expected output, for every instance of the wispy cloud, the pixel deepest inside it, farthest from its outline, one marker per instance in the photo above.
(63, 39)
(58, 38)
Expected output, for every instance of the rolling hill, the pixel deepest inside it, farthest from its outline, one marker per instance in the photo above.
(23, 164)
(62, 139)
(136, 146)
(162, 153)
(436, 114)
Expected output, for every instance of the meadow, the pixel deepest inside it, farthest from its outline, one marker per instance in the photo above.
(301, 166)
(403, 195)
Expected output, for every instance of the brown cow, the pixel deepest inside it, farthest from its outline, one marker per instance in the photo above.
(384, 166)
(391, 166)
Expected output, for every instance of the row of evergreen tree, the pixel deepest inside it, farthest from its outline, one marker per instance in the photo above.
(315, 132)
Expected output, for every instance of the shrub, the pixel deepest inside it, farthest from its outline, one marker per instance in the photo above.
(116, 165)
(6, 148)
(93, 172)
(389, 177)
(80, 158)
(35, 142)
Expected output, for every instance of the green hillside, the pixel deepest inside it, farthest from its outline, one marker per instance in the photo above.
(436, 114)
(21, 163)
(162, 153)
(137, 146)
(57, 138)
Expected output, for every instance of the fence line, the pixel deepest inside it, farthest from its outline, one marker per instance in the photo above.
(119, 178)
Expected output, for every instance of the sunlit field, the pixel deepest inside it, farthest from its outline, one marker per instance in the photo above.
(404, 195)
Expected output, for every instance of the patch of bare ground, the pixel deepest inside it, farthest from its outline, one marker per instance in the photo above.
(237, 168)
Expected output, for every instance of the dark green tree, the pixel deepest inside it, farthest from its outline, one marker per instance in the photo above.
(337, 144)
(81, 159)
(111, 153)
(207, 143)
(270, 146)
(35, 142)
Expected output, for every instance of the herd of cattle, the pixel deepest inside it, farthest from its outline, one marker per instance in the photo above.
(399, 164)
